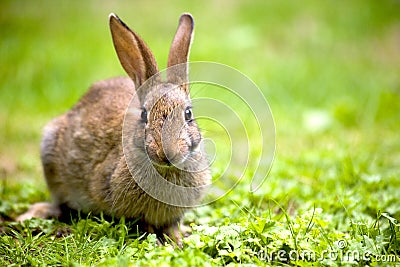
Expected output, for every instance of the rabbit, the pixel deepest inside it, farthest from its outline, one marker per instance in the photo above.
(89, 168)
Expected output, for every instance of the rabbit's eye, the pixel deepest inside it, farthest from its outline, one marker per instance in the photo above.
(143, 115)
(188, 114)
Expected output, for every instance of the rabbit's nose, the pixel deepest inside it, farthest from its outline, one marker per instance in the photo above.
(169, 154)
(172, 156)
(163, 158)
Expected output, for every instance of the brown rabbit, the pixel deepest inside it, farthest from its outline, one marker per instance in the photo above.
(129, 148)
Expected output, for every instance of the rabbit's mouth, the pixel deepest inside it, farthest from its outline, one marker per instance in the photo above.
(170, 162)
(192, 161)
(161, 159)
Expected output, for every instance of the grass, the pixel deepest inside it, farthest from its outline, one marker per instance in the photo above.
(330, 74)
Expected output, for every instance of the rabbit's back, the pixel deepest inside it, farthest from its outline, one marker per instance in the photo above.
(84, 143)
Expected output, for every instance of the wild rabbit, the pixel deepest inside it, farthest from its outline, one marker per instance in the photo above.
(87, 165)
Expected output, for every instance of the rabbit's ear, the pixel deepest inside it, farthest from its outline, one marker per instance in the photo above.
(133, 53)
(179, 52)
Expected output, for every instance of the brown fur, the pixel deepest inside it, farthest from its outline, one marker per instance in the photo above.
(82, 152)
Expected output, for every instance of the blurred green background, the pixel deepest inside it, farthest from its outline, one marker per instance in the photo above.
(330, 71)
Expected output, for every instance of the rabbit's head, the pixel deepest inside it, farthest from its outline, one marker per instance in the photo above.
(171, 131)
(170, 134)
